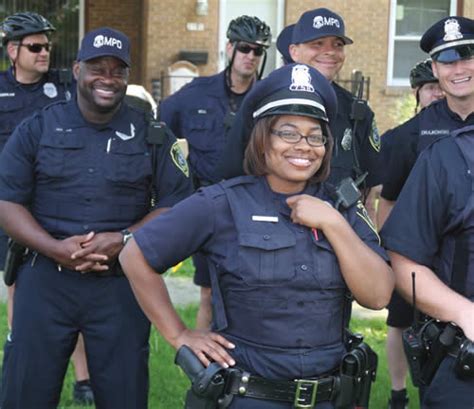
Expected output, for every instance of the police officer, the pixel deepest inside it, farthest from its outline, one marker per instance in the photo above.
(450, 45)
(436, 209)
(426, 89)
(322, 45)
(75, 180)
(27, 86)
(280, 254)
(203, 112)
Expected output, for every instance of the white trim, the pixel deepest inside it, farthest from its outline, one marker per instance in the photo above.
(451, 44)
(289, 101)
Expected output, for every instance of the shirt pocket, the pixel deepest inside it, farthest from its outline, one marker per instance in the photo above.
(127, 163)
(326, 266)
(10, 114)
(199, 130)
(266, 259)
(59, 155)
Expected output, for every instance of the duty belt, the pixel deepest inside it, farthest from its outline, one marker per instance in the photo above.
(302, 393)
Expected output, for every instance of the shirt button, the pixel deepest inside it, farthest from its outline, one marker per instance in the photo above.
(266, 237)
(300, 303)
(304, 267)
(85, 227)
(90, 170)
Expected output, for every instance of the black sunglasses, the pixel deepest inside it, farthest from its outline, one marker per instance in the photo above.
(245, 49)
(36, 48)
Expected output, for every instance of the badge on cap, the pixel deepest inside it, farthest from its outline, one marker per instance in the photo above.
(301, 79)
(124, 136)
(451, 30)
(50, 90)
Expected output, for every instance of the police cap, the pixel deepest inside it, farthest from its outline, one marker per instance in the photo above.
(294, 89)
(319, 23)
(105, 42)
(283, 43)
(450, 39)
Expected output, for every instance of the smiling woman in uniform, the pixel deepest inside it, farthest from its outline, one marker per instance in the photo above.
(281, 256)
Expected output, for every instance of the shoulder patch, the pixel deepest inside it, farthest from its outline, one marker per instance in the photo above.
(178, 158)
(374, 137)
(239, 180)
(364, 215)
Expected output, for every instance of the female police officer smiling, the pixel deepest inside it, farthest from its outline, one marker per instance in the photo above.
(281, 257)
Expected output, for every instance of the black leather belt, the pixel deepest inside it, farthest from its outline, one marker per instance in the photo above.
(453, 350)
(303, 393)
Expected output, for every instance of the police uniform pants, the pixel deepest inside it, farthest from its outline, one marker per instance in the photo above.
(50, 308)
(447, 391)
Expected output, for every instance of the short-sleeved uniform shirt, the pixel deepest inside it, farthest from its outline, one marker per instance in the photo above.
(429, 211)
(410, 138)
(18, 101)
(77, 177)
(278, 263)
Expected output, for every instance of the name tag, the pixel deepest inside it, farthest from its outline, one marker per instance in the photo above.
(269, 219)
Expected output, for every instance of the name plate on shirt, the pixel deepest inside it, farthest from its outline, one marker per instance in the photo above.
(268, 219)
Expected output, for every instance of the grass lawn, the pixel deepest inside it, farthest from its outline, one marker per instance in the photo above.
(168, 383)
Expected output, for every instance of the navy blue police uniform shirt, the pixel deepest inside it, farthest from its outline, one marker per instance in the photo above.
(429, 212)
(267, 272)
(19, 101)
(77, 177)
(368, 144)
(201, 113)
(410, 138)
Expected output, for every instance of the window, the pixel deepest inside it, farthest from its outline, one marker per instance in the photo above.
(409, 19)
(63, 14)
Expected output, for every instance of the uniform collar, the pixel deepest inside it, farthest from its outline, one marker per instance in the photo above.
(279, 199)
(32, 87)
(120, 121)
(444, 104)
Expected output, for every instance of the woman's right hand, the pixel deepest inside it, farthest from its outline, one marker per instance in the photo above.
(208, 346)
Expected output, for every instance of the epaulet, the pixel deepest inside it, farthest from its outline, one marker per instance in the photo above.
(219, 189)
(52, 105)
(199, 81)
(239, 180)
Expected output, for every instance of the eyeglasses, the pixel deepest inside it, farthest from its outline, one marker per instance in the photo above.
(245, 49)
(294, 137)
(36, 48)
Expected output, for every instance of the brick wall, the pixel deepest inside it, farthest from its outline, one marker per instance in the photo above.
(167, 35)
(126, 16)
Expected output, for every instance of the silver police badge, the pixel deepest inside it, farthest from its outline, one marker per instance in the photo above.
(50, 90)
(346, 141)
(451, 30)
(301, 79)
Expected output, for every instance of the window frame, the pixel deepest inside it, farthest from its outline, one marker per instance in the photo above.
(392, 38)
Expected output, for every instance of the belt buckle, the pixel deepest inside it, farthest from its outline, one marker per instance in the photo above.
(303, 385)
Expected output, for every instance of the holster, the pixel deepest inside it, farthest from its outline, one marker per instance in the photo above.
(14, 259)
(358, 371)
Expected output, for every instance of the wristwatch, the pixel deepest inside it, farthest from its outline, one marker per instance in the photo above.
(126, 236)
